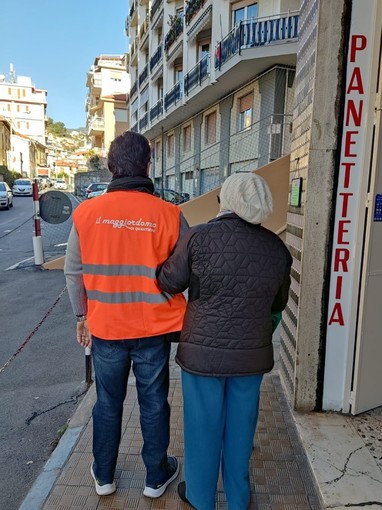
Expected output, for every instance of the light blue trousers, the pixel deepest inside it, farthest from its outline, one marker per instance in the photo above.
(220, 417)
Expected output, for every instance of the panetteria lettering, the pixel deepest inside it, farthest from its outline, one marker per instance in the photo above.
(354, 103)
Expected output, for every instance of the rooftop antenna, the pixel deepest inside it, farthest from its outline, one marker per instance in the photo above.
(12, 73)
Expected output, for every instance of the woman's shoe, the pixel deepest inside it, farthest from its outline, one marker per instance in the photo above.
(182, 493)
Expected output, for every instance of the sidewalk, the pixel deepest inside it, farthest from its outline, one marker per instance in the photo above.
(288, 446)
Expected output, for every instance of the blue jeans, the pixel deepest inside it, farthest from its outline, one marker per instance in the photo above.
(112, 361)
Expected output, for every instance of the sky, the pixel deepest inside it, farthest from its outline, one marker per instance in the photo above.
(55, 42)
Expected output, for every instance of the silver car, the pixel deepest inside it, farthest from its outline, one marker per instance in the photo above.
(6, 197)
(22, 187)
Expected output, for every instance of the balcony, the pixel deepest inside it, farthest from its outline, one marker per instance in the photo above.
(156, 58)
(156, 110)
(143, 31)
(175, 94)
(144, 75)
(134, 89)
(197, 74)
(133, 15)
(155, 8)
(96, 126)
(176, 28)
(256, 33)
(144, 121)
(134, 49)
(193, 7)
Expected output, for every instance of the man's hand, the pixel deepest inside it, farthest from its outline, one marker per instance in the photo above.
(83, 334)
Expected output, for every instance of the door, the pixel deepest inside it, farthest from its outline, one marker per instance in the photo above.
(367, 376)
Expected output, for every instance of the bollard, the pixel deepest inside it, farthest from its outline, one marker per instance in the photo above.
(37, 239)
(88, 366)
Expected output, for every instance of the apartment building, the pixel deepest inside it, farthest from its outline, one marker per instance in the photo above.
(106, 105)
(5, 140)
(25, 106)
(212, 86)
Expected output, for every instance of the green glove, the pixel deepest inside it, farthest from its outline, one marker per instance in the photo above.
(276, 319)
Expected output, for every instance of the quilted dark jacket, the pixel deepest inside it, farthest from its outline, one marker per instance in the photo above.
(237, 274)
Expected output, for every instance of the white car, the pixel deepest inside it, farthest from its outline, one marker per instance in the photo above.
(6, 197)
(60, 184)
(22, 187)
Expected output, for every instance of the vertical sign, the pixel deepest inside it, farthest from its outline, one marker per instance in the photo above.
(350, 207)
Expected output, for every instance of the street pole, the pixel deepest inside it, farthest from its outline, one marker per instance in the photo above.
(37, 239)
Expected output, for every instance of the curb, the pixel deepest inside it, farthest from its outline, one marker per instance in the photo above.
(43, 485)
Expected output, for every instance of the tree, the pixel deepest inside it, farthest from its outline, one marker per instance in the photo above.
(56, 128)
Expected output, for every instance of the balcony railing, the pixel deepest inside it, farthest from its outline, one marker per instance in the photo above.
(256, 32)
(156, 110)
(192, 8)
(143, 29)
(134, 88)
(97, 124)
(157, 57)
(132, 10)
(197, 74)
(144, 74)
(144, 121)
(175, 30)
(155, 8)
(174, 95)
(97, 81)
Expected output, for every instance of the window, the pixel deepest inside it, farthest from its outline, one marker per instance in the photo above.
(210, 128)
(189, 175)
(203, 49)
(9, 91)
(178, 73)
(18, 108)
(245, 111)
(170, 146)
(187, 139)
(242, 12)
(158, 151)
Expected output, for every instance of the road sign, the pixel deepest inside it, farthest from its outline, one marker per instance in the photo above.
(55, 207)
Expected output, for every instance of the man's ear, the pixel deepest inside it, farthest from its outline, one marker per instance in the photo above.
(148, 168)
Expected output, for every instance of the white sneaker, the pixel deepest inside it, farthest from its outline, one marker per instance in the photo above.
(102, 490)
(173, 471)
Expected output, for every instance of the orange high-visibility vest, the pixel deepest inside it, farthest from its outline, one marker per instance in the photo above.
(124, 236)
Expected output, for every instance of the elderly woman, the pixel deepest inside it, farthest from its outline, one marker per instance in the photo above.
(238, 275)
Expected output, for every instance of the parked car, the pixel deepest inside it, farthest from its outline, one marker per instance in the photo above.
(170, 195)
(60, 184)
(94, 194)
(6, 196)
(96, 186)
(22, 187)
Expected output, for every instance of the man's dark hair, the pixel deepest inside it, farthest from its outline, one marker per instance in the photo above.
(129, 155)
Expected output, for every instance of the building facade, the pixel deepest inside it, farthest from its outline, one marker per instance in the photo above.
(5, 140)
(224, 87)
(212, 86)
(106, 104)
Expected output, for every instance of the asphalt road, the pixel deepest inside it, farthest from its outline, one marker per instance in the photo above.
(42, 368)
